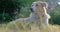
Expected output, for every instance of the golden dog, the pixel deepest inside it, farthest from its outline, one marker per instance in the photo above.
(38, 9)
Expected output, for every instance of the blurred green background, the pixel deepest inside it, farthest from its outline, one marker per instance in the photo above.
(14, 9)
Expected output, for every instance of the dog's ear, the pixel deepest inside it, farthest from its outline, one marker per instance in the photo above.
(44, 4)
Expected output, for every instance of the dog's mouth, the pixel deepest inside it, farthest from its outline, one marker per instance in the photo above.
(31, 10)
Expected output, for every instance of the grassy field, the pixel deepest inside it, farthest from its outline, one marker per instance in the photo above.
(30, 28)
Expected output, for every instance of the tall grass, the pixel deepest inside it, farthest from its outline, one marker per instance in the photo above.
(30, 27)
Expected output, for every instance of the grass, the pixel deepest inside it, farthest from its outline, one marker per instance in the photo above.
(2, 28)
(28, 27)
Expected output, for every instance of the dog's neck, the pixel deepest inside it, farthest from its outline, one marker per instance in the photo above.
(34, 16)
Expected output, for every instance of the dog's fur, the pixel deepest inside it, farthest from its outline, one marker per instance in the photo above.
(37, 8)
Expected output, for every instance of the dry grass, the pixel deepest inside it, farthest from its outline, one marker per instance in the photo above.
(2, 28)
(29, 27)
(55, 28)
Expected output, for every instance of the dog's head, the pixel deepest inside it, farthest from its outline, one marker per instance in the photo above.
(38, 6)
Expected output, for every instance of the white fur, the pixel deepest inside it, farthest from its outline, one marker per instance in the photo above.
(47, 17)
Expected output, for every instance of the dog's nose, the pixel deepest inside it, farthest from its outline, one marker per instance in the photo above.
(31, 9)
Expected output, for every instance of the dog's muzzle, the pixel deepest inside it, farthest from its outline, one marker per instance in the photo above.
(31, 9)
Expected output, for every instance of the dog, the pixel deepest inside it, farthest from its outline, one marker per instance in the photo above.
(38, 9)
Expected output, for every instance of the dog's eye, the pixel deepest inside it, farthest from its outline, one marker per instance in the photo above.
(36, 5)
(32, 5)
